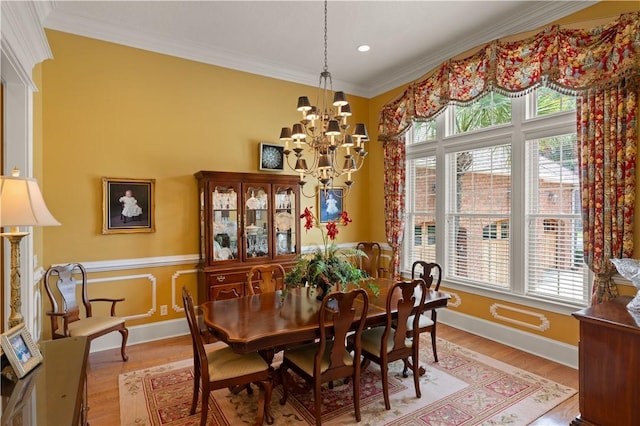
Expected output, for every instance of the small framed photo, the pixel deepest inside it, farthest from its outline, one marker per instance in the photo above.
(271, 157)
(21, 350)
(128, 205)
(330, 203)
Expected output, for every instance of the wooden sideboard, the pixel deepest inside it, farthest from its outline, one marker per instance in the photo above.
(54, 393)
(609, 364)
(246, 219)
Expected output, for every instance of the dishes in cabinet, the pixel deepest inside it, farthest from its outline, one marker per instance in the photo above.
(284, 220)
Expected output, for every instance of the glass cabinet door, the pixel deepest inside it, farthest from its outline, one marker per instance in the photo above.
(224, 208)
(285, 220)
(256, 220)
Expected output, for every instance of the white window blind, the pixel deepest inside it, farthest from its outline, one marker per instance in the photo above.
(478, 221)
(555, 265)
(421, 211)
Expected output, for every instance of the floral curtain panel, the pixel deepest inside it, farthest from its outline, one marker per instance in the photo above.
(394, 178)
(607, 126)
(568, 60)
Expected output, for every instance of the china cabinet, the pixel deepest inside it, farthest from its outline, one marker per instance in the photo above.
(245, 219)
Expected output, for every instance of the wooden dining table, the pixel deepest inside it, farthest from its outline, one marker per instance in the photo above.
(268, 321)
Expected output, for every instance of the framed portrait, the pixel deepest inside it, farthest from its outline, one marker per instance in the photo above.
(21, 350)
(271, 157)
(330, 203)
(128, 205)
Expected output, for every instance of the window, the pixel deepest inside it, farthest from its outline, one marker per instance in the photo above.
(493, 196)
(555, 266)
(481, 204)
(490, 110)
(421, 209)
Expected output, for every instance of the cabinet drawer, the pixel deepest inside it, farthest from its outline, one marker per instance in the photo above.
(219, 278)
(226, 291)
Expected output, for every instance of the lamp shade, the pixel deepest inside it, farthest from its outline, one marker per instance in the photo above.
(21, 203)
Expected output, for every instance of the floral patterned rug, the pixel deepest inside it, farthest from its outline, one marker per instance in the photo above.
(463, 388)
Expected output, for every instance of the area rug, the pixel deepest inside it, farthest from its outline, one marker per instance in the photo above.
(463, 388)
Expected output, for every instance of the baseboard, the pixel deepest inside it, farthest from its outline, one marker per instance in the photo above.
(550, 349)
(142, 334)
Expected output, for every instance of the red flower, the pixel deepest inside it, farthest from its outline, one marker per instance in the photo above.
(332, 230)
(345, 219)
(308, 217)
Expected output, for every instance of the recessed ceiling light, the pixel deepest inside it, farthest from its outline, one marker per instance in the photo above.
(364, 48)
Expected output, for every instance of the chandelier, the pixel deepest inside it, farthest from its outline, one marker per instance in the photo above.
(322, 134)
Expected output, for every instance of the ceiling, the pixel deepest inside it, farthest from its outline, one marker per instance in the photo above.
(284, 39)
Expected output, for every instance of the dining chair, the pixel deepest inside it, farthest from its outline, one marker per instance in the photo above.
(60, 285)
(328, 359)
(427, 324)
(386, 344)
(223, 368)
(371, 262)
(266, 278)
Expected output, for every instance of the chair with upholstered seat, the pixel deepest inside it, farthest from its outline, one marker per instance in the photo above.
(371, 262)
(427, 324)
(60, 284)
(266, 278)
(328, 359)
(385, 344)
(223, 368)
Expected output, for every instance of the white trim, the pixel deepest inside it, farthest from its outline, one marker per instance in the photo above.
(23, 39)
(544, 347)
(544, 321)
(142, 334)
(139, 263)
(149, 277)
(174, 279)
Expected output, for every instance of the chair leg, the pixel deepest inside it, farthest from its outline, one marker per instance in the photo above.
(317, 400)
(125, 336)
(282, 371)
(264, 402)
(384, 368)
(204, 410)
(433, 342)
(416, 370)
(356, 397)
(196, 388)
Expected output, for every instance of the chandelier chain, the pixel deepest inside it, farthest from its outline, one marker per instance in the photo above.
(326, 68)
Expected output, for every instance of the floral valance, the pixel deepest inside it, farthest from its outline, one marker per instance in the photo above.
(567, 60)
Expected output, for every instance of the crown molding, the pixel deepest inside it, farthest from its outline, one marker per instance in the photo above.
(159, 43)
(24, 42)
(534, 16)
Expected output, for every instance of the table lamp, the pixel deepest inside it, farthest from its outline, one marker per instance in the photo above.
(21, 204)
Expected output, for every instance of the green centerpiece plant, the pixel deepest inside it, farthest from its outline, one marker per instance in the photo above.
(328, 266)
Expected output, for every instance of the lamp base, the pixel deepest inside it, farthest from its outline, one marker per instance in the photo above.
(15, 317)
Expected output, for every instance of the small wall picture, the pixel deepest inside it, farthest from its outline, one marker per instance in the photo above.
(21, 350)
(330, 203)
(128, 205)
(271, 156)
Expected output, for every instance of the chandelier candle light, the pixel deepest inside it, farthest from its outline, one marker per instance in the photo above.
(323, 133)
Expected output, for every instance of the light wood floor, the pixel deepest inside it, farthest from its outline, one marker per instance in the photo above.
(104, 368)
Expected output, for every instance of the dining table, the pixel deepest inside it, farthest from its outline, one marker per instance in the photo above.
(268, 322)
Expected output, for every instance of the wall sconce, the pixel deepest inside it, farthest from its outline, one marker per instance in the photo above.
(21, 204)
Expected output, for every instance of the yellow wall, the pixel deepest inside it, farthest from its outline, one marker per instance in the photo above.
(111, 110)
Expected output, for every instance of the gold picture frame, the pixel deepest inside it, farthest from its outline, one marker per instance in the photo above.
(331, 203)
(128, 205)
(22, 352)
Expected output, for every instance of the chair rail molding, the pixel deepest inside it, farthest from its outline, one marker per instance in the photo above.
(149, 277)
